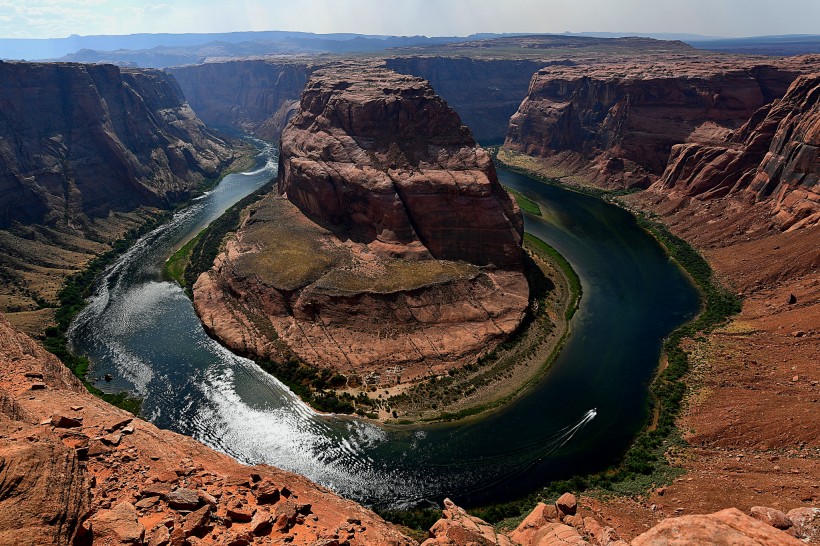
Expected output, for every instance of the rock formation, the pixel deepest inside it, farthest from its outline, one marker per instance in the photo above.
(773, 158)
(254, 96)
(83, 140)
(484, 92)
(614, 125)
(394, 244)
(75, 470)
(549, 525)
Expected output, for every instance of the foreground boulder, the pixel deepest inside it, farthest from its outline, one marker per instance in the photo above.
(61, 486)
(729, 527)
(392, 243)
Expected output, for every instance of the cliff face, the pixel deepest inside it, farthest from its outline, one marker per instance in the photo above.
(484, 92)
(773, 158)
(384, 156)
(615, 125)
(252, 95)
(394, 243)
(88, 139)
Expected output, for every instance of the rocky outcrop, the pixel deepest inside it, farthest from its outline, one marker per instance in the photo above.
(100, 476)
(725, 528)
(254, 96)
(546, 526)
(394, 243)
(382, 156)
(484, 92)
(82, 140)
(615, 125)
(773, 159)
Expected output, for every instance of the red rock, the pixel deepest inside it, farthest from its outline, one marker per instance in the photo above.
(119, 424)
(197, 521)
(160, 536)
(183, 499)
(31, 474)
(458, 528)
(567, 504)
(728, 527)
(240, 512)
(118, 525)
(62, 421)
(558, 534)
(261, 524)
(539, 517)
(772, 516)
(266, 492)
(806, 523)
(255, 96)
(615, 124)
(773, 158)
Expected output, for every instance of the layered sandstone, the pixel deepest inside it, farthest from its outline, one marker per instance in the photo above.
(254, 96)
(393, 243)
(484, 92)
(75, 470)
(615, 124)
(80, 141)
(773, 158)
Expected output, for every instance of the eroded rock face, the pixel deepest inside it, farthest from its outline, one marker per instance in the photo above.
(484, 92)
(256, 96)
(64, 486)
(381, 154)
(83, 140)
(773, 158)
(616, 124)
(393, 242)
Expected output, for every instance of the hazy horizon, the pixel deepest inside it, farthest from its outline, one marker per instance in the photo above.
(716, 18)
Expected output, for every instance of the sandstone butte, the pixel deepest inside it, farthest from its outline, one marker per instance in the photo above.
(76, 470)
(391, 244)
(743, 191)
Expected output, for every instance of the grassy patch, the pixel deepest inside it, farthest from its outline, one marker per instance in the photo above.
(525, 203)
(198, 255)
(174, 268)
(557, 258)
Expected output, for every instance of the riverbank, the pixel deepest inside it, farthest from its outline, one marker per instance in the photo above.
(510, 369)
(76, 287)
(724, 445)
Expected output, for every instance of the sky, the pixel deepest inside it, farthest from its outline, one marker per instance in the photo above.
(61, 18)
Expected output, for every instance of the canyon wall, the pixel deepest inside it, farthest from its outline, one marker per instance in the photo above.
(484, 92)
(393, 243)
(84, 140)
(254, 96)
(614, 125)
(773, 158)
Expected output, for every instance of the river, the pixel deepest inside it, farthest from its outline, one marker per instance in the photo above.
(143, 331)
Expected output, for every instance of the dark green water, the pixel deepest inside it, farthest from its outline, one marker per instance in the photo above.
(581, 417)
